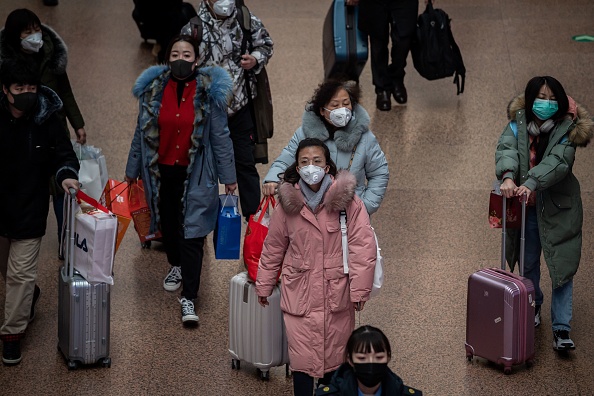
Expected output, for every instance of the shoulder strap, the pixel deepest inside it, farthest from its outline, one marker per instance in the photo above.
(245, 22)
(352, 156)
(460, 69)
(196, 28)
(345, 246)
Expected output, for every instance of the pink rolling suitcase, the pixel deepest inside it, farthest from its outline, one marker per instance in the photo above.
(500, 311)
(256, 333)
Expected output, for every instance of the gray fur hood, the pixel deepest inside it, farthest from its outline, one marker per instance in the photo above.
(58, 56)
(337, 198)
(580, 135)
(345, 138)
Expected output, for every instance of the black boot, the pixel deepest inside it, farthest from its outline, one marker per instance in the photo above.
(50, 2)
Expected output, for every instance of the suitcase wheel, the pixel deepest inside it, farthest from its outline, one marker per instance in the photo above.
(235, 364)
(106, 362)
(72, 365)
(264, 375)
(507, 370)
(529, 363)
(145, 245)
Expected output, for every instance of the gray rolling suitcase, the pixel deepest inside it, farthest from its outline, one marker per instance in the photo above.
(256, 333)
(83, 308)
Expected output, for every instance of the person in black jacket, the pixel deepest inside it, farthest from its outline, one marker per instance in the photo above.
(33, 147)
(366, 370)
(385, 21)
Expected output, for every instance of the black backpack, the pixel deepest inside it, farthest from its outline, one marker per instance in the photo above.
(434, 51)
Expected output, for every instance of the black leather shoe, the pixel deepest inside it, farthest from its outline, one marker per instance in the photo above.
(383, 101)
(400, 93)
(50, 2)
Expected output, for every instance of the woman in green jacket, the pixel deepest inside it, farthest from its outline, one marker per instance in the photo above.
(535, 156)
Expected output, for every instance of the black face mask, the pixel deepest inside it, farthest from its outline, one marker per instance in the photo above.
(181, 69)
(24, 101)
(370, 374)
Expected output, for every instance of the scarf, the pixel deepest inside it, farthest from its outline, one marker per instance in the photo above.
(312, 198)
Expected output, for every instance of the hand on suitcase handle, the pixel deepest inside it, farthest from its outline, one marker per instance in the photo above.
(70, 185)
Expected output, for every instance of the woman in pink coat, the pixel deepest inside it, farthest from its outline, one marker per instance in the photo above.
(304, 241)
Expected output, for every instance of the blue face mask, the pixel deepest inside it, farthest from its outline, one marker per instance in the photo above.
(544, 109)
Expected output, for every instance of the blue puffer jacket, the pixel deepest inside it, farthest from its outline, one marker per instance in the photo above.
(211, 154)
(369, 162)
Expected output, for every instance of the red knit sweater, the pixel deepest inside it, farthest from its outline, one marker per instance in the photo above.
(176, 124)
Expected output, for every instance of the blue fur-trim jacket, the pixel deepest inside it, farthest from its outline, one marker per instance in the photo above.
(211, 153)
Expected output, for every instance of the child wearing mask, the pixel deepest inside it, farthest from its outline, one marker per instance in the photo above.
(366, 370)
(304, 241)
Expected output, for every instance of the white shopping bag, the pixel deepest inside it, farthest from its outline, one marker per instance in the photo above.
(94, 245)
(93, 169)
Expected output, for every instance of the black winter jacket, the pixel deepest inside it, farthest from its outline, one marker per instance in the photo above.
(344, 383)
(32, 148)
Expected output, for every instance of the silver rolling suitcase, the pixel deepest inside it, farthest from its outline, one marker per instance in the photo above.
(83, 308)
(256, 333)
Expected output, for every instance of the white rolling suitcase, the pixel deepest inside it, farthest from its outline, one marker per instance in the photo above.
(83, 308)
(256, 333)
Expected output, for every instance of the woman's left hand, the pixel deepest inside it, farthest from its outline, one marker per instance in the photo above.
(523, 190)
(359, 305)
(248, 61)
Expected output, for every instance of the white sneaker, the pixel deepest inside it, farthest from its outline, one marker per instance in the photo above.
(173, 279)
(189, 316)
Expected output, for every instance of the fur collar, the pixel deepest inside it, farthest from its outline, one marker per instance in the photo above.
(337, 198)
(58, 52)
(580, 135)
(346, 138)
(219, 88)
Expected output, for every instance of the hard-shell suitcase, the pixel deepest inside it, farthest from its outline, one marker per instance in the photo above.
(500, 311)
(344, 48)
(256, 333)
(83, 308)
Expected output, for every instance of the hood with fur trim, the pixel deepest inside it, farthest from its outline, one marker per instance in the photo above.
(48, 102)
(58, 51)
(580, 135)
(337, 198)
(345, 138)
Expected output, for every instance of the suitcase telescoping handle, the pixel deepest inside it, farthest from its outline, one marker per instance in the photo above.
(70, 209)
(523, 199)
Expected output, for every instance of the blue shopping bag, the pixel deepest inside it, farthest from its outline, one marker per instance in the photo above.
(227, 233)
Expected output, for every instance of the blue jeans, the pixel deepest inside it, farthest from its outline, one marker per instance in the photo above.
(562, 297)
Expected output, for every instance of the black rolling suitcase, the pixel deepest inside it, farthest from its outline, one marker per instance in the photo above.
(344, 46)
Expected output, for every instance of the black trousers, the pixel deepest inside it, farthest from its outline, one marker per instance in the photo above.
(186, 253)
(387, 66)
(303, 384)
(242, 132)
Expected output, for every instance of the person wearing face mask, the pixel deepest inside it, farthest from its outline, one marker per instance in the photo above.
(535, 156)
(222, 44)
(33, 147)
(26, 39)
(304, 242)
(366, 371)
(335, 116)
(181, 149)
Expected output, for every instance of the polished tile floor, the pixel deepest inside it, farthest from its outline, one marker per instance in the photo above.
(432, 225)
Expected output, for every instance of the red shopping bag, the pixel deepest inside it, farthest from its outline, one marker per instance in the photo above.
(115, 198)
(256, 232)
(141, 213)
(513, 209)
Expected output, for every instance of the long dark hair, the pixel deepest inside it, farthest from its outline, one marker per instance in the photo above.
(531, 93)
(326, 90)
(17, 21)
(182, 37)
(291, 174)
(367, 338)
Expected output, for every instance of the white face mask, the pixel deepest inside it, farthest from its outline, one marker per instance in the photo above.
(224, 7)
(32, 42)
(312, 174)
(340, 117)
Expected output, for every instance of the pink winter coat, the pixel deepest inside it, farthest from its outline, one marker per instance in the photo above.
(316, 296)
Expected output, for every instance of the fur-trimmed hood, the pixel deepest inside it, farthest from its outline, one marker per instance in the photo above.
(346, 138)
(218, 87)
(337, 198)
(54, 49)
(580, 135)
